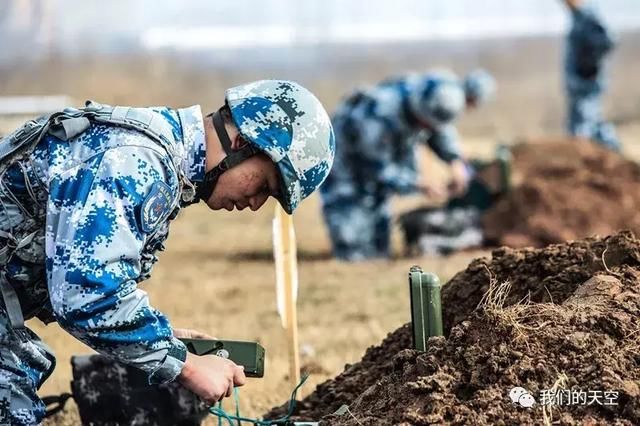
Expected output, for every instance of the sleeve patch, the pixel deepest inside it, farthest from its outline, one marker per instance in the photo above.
(156, 207)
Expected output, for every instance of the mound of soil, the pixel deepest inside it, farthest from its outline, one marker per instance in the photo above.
(564, 318)
(564, 190)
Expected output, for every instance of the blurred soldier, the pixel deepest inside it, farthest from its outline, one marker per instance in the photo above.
(588, 45)
(86, 197)
(376, 132)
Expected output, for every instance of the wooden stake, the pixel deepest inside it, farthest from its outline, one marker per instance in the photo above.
(284, 249)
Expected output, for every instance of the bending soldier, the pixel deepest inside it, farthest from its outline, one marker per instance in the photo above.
(376, 132)
(86, 198)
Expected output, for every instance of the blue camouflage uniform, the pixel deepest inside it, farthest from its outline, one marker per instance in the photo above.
(376, 132)
(80, 223)
(588, 45)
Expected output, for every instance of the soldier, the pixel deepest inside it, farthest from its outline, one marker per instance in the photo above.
(86, 197)
(588, 45)
(376, 132)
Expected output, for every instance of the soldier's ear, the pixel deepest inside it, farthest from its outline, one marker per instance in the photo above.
(237, 141)
(226, 114)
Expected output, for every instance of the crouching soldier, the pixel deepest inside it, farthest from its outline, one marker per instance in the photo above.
(86, 198)
(376, 132)
(589, 43)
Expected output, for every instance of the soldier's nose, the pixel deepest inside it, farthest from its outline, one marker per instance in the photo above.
(256, 202)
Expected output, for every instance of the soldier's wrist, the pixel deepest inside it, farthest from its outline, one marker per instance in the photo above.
(172, 365)
(188, 369)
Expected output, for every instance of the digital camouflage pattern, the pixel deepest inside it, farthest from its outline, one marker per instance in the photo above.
(291, 126)
(25, 363)
(589, 43)
(376, 132)
(80, 223)
(109, 393)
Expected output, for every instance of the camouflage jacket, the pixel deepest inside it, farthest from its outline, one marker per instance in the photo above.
(80, 223)
(376, 132)
(588, 44)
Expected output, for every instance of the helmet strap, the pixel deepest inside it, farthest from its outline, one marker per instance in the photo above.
(205, 188)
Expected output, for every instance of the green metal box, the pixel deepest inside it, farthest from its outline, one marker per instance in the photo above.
(250, 355)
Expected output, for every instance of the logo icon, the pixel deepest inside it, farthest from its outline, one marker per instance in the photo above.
(520, 396)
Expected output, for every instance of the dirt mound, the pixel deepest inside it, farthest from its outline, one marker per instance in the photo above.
(565, 190)
(565, 318)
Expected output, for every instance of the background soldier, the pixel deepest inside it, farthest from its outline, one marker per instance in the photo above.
(588, 45)
(376, 132)
(86, 197)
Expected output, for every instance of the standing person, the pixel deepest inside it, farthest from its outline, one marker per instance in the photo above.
(589, 44)
(86, 198)
(376, 132)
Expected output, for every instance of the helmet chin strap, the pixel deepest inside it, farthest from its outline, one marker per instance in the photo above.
(205, 188)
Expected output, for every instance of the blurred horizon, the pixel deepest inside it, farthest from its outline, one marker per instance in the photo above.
(173, 52)
(35, 29)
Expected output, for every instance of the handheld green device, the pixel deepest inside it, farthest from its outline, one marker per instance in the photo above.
(250, 355)
(426, 306)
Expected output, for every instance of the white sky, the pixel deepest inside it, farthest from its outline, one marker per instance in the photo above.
(206, 24)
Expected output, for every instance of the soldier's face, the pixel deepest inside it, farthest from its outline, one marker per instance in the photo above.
(249, 184)
(471, 103)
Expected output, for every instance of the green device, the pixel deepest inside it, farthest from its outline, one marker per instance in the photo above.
(426, 306)
(505, 158)
(492, 180)
(250, 355)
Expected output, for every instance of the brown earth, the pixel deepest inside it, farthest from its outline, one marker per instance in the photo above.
(566, 316)
(565, 190)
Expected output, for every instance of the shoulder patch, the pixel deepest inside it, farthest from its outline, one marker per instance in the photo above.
(156, 207)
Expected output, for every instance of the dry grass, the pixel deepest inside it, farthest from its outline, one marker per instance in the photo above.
(492, 306)
(547, 410)
(515, 318)
(510, 318)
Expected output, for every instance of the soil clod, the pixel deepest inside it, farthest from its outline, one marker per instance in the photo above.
(565, 318)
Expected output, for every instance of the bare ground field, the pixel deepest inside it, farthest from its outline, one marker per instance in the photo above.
(217, 273)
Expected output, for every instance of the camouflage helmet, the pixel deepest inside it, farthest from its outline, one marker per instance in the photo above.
(479, 86)
(436, 100)
(289, 124)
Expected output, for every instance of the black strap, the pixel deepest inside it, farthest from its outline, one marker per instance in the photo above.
(233, 158)
(221, 130)
(11, 303)
(60, 400)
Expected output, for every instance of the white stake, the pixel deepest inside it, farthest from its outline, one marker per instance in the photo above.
(284, 251)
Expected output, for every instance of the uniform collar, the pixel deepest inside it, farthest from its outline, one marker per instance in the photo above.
(194, 160)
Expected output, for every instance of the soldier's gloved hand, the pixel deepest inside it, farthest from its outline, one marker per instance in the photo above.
(211, 377)
(459, 178)
(188, 333)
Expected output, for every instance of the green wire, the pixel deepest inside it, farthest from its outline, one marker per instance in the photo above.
(236, 399)
(284, 420)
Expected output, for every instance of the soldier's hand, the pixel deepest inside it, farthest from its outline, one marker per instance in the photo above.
(459, 178)
(431, 191)
(187, 333)
(211, 377)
